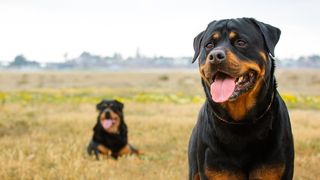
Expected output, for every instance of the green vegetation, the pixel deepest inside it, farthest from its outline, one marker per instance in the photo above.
(90, 95)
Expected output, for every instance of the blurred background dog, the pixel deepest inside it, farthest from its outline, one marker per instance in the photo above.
(110, 135)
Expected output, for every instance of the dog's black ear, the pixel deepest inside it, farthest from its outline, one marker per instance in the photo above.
(119, 104)
(270, 34)
(197, 45)
(100, 105)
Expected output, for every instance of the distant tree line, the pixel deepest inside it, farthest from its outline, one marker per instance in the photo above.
(312, 61)
(89, 61)
(20, 62)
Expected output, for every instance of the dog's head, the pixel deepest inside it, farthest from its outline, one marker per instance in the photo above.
(234, 61)
(110, 115)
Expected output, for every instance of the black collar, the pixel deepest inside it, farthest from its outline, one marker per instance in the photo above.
(246, 122)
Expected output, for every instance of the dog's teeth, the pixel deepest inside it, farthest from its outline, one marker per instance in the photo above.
(240, 79)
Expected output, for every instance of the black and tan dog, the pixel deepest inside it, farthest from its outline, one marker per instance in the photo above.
(110, 135)
(243, 129)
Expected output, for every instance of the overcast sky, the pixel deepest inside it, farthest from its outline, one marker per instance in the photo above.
(44, 30)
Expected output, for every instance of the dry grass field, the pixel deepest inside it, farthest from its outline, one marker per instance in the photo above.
(46, 121)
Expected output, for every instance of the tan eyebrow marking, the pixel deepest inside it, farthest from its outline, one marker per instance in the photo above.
(216, 35)
(232, 35)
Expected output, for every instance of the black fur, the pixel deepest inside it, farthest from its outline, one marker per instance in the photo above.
(262, 137)
(114, 142)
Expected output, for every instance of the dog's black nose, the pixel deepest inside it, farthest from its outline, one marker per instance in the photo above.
(107, 114)
(217, 56)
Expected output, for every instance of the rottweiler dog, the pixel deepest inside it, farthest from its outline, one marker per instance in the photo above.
(110, 135)
(243, 129)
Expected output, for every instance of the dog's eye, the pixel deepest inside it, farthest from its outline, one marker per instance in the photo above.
(210, 45)
(240, 43)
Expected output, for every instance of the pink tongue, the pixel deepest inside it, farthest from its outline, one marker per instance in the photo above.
(106, 123)
(222, 89)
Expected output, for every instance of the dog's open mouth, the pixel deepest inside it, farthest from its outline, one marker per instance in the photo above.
(226, 87)
(107, 123)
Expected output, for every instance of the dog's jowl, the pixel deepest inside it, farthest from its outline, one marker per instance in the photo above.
(110, 134)
(243, 129)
